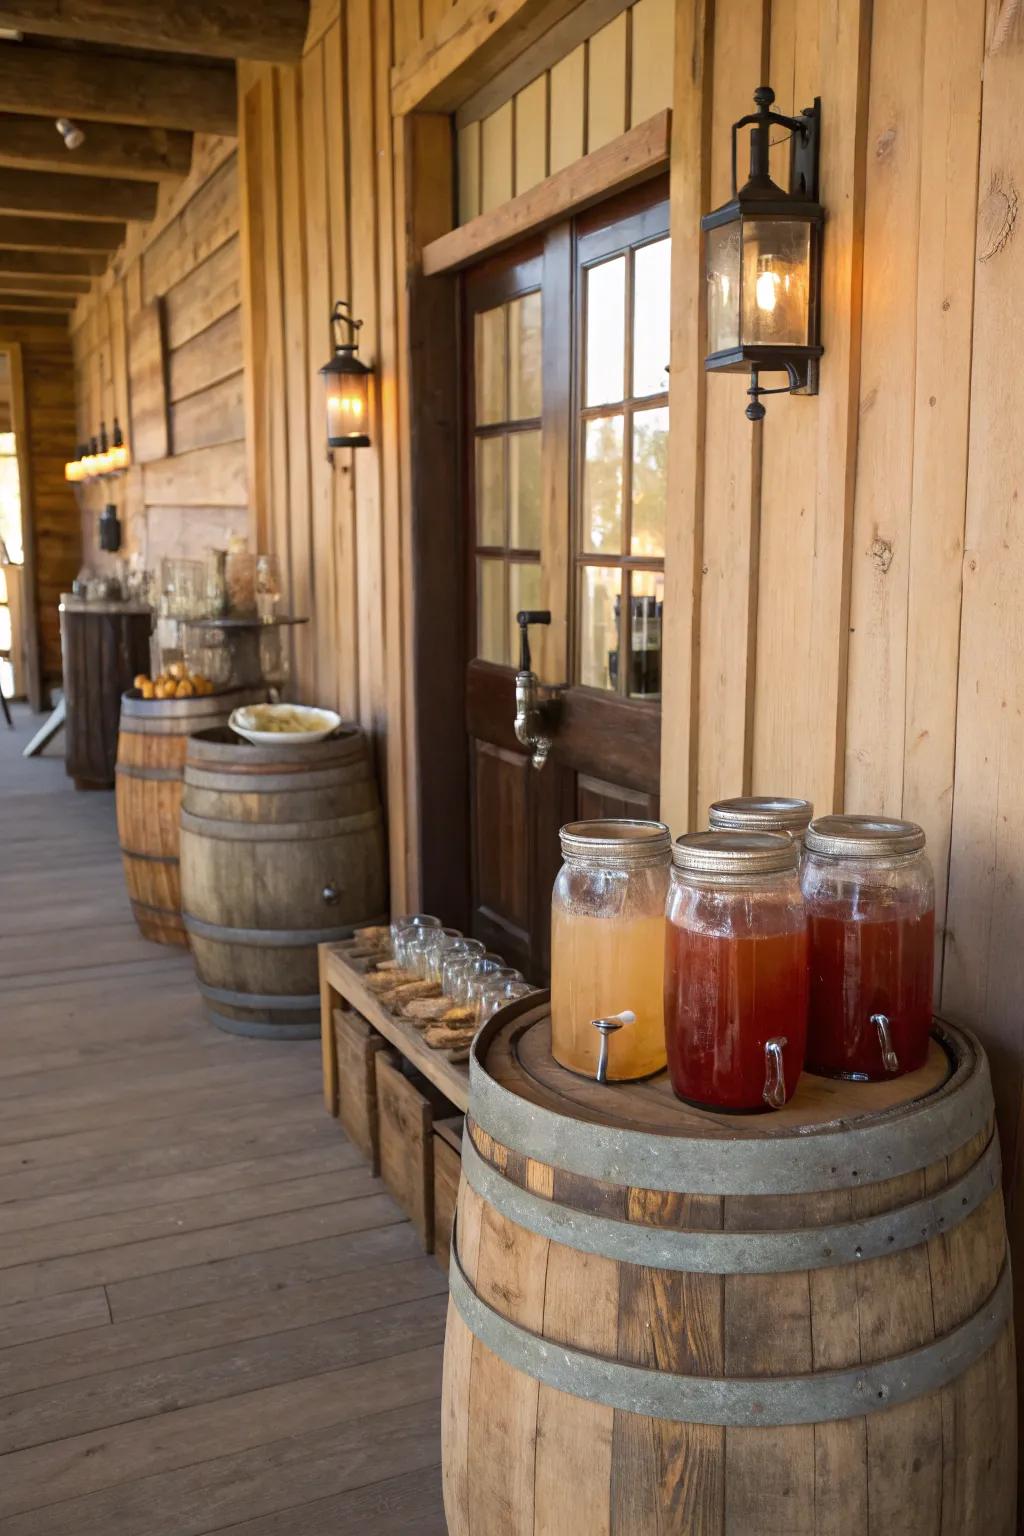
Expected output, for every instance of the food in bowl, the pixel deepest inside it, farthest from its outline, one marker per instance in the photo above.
(281, 718)
(176, 683)
(264, 724)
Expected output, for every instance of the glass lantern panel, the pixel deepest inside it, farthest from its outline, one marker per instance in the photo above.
(489, 366)
(523, 592)
(606, 332)
(490, 491)
(524, 322)
(652, 288)
(491, 613)
(722, 266)
(600, 597)
(646, 600)
(524, 490)
(602, 486)
(776, 282)
(650, 479)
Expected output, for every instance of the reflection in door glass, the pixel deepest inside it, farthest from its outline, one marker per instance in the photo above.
(524, 357)
(524, 490)
(646, 600)
(650, 481)
(602, 485)
(606, 332)
(489, 366)
(524, 592)
(651, 304)
(491, 619)
(600, 596)
(490, 491)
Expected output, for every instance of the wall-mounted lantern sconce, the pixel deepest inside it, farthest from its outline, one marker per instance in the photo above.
(99, 456)
(347, 386)
(763, 261)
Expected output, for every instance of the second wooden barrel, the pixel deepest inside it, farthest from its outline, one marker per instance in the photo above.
(151, 746)
(282, 849)
(668, 1321)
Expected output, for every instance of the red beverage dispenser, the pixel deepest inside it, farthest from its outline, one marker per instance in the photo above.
(735, 970)
(871, 924)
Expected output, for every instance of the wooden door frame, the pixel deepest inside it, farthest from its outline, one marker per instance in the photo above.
(30, 603)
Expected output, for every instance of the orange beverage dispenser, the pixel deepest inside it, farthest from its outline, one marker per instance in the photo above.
(608, 947)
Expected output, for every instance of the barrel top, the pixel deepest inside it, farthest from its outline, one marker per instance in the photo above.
(831, 1133)
(215, 705)
(219, 747)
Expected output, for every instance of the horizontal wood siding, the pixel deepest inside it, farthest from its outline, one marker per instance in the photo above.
(159, 344)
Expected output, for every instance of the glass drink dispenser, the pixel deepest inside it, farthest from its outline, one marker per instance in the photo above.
(871, 921)
(608, 946)
(735, 970)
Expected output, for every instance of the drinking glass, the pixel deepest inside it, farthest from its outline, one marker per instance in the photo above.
(457, 954)
(497, 993)
(462, 975)
(436, 941)
(481, 980)
(404, 930)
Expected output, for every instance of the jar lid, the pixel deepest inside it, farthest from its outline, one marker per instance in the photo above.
(761, 813)
(739, 854)
(863, 837)
(622, 844)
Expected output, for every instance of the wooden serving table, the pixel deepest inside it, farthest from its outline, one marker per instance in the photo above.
(343, 985)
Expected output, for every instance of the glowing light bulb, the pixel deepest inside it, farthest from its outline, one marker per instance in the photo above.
(766, 291)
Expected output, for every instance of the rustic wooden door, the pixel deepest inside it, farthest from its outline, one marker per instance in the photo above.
(565, 366)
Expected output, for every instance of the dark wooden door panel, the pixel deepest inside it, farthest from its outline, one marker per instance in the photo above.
(595, 798)
(501, 802)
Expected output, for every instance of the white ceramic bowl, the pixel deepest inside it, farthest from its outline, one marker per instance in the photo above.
(244, 721)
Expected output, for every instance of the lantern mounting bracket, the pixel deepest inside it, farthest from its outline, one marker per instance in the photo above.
(341, 315)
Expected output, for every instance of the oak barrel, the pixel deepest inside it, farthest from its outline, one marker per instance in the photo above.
(151, 744)
(664, 1320)
(282, 849)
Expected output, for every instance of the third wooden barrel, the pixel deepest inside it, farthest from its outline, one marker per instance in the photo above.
(151, 745)
(663, 1320)
(282, 849)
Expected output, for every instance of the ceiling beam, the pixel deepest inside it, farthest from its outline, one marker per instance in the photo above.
(14, 318)
(52, 303)
(46, 82)
(33, 143)
(59, 263)
(76, 197)
(271, 30)
(29, 234)
(65, 287)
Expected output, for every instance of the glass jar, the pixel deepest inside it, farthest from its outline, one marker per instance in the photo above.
(761, 813)
(871, 921)
(735, 970)
(608, 945)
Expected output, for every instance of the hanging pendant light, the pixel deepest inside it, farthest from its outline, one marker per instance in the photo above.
(347, 386)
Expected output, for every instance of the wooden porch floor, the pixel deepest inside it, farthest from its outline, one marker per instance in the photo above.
(211, 1316)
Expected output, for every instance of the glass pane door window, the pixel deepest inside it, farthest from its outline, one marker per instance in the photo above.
(623, 300)
(506, 470)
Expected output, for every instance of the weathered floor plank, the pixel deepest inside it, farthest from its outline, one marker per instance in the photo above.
(212, 1317)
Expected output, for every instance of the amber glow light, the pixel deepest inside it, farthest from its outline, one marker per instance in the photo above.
(347, 382)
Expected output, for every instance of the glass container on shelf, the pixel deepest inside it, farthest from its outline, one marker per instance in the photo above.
(735, 970)
(608, 945)
(762, 813)
(870, 900)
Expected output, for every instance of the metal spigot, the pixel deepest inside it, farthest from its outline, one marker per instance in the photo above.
(890, 1061)
(606, 1027)
(535, 716)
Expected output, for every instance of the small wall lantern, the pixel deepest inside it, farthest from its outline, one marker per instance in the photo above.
(347, 383)
(763, 261)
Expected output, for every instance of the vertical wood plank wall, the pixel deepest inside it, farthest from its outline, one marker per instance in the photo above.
(49, 510)
(158, 343)
(319, 224)
(844, 582)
